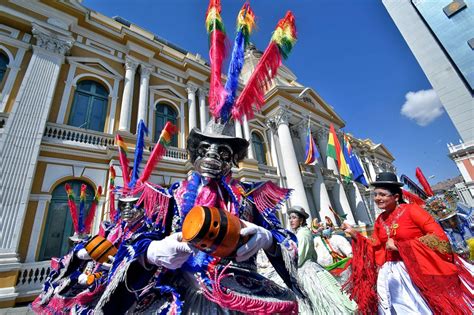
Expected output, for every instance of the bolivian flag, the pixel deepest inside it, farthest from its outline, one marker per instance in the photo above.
(334, 151)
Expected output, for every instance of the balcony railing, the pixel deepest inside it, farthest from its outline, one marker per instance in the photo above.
(268, 169)
(65, 134)
(32, 277)
(176, 153)
(77, 136)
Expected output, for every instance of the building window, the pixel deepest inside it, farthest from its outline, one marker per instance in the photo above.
(258, 148)
(3, 65)
(164, 113)
(59, 226)
(89, 106)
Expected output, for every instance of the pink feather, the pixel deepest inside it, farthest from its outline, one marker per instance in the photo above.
(217, 93)
(91, 214)
(158, 152)
(259, 82)
(72, 207)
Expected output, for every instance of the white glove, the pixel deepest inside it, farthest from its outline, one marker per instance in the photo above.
(261, 238)
(82, 279)
(83, 254)
(107, 265)
(170, 252)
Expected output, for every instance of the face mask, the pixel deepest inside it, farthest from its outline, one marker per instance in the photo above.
(213, 160)
(128, 212)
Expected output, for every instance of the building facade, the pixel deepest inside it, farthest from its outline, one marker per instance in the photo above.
(441, 36)
(71, 79)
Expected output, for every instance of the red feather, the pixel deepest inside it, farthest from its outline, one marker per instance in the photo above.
(412, 198)
(158, 151)
(91, 214)
(112, 210)
(217, 93)
(259, 82)
(424, 183)
(72, 207)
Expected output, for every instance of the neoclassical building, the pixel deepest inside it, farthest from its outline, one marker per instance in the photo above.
(72, 78)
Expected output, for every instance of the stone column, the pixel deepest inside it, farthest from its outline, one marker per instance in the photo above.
(292, 169)
(247, 137)
(238, 129)
(143, 96)
(21, 139)
(372, 172)
(202, 108)
(191, 89)
(127, 96)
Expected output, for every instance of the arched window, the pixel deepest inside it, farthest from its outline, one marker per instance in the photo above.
(3, 65)
(164, 113)
(58, 226)
(258, 148)
(89, 106)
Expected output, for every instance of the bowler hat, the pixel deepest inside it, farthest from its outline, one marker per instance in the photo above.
(299, 210)
(217, 132)
(386, 179)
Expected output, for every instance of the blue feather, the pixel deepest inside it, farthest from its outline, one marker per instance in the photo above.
(142, 130)
(235, 67)
(191, 193)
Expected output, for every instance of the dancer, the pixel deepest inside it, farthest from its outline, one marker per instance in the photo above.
(321, 289)
(334, 254)
(407, 267)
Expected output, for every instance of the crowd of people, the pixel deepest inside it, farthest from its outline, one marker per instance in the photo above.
(212, 244)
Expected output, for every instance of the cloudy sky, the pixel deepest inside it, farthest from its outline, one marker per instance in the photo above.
(349, 51)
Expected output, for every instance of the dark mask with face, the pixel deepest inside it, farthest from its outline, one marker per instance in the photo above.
(213, 160)
(129, 212)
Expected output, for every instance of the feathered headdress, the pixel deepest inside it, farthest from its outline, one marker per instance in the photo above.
(152, 197)
(82, 224)
(222, 100)
(423, 182)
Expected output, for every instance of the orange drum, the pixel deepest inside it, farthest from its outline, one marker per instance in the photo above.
(212, 230)
(100, 249)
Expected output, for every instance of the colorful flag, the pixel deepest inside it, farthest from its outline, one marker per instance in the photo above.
(312, 153)
(354, 165)
(334, 150)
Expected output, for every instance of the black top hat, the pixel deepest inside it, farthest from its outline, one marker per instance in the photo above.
(386, 179)
(299, 210)
(217, 132)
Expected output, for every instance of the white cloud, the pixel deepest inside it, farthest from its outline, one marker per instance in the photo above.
(423, 107)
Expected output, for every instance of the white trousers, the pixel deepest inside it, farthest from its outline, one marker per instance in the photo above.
(397, 294)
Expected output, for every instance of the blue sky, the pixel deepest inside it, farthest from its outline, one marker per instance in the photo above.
(349, 51)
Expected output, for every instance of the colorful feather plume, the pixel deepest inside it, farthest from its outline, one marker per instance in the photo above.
(92, 210)
(112, 210)
(424, 183)
(283, 40)
(245, 25)
(82, 207)
(159, 150)
(122, 148)
(216, 31)
(72, 207)
(142, 130)
(414, 188)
